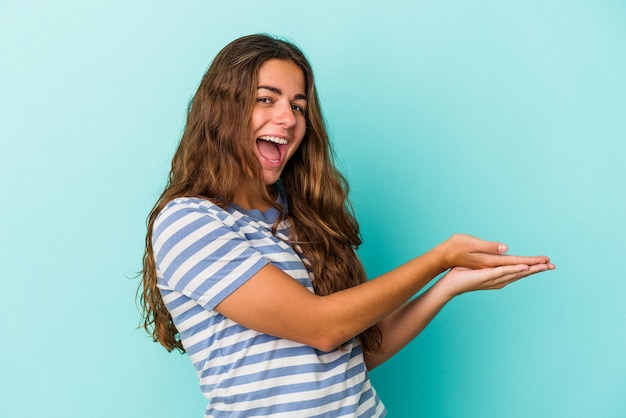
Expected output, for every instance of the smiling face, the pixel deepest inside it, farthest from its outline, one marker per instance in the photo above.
(278, 121)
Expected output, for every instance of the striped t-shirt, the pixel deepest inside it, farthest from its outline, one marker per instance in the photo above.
(203, 253)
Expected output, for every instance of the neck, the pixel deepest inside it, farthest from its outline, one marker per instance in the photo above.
(247, 197)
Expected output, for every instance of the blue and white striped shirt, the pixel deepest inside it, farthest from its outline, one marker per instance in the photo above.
(204, 253)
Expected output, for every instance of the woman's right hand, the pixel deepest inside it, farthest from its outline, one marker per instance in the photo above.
(471, 252)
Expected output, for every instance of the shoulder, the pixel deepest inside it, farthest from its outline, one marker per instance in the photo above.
(186, 209)
(183, 215)
(188, 205)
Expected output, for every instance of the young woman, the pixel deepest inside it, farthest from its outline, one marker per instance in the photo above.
(250, 264)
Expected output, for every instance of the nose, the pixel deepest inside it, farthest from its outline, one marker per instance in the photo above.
(284, 115)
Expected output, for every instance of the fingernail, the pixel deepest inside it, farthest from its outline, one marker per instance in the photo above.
(502, 248)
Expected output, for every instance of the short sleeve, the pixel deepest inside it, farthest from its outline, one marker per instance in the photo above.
(200, 252)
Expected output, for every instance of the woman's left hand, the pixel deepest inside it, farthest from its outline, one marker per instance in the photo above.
(461, 280)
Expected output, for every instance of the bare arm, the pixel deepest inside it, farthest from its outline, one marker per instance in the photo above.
(273, 303)
(402, 326)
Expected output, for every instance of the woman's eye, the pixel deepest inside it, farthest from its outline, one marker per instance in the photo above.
(264, 100)
(298, 108)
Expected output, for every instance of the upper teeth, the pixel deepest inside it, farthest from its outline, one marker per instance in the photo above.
(274, 139)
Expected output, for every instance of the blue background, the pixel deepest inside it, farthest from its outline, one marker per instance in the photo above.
(502, 119)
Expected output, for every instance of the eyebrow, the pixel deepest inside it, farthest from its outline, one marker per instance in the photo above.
(276, 90)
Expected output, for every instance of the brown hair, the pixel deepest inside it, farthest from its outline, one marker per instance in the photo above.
(214, 156)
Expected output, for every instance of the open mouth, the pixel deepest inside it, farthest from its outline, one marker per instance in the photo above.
(271, 148)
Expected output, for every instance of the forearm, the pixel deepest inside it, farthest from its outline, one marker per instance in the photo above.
(403, 325)
(353, 310)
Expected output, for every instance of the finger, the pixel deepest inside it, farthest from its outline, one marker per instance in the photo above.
(503, 260)
(512, 277)
(538, 268)
(480, 261)
(498, 273)
(529, 260)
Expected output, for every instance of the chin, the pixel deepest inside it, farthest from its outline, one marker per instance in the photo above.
(270, 179)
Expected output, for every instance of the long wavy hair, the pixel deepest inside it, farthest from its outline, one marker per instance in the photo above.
(215, 156)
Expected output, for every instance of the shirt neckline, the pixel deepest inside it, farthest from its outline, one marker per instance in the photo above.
(268, 216)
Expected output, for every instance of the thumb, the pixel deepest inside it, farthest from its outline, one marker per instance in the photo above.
(490, 247)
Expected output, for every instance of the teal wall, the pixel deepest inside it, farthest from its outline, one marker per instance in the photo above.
(503, 119)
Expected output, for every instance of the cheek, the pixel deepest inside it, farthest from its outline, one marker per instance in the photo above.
(301, 128)
(256, 120)
(298, 143)
(297, 147)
